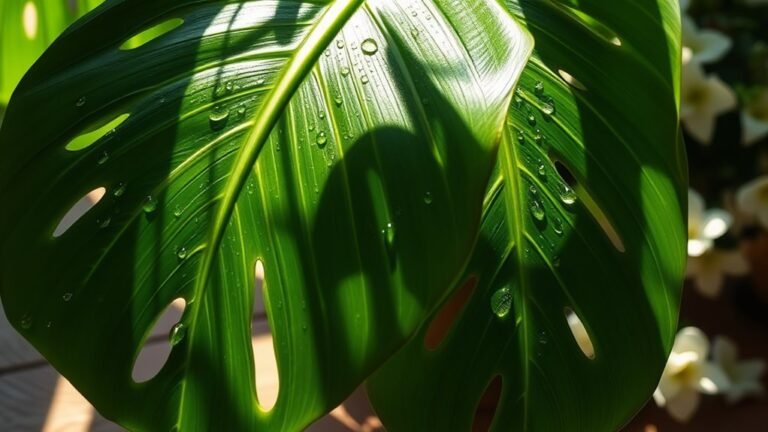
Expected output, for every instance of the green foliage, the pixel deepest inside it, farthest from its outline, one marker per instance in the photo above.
(616, 130)
(348, 146)
(28, 28)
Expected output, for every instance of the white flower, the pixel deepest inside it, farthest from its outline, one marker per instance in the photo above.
(708, 270)
(704, 226)
(752, 199)
(703, 99)
(744, 376)
(704, 46)
(687, 374)
(754, 117)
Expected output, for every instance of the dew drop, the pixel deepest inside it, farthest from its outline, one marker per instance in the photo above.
(182, 253)
(178, 332)
(218, 119)
(26, 322)
(428, 199)
(150, 205)
(567, 195)
(531, 120)
(322, 139)
(415, 33)
(260, 82)
(538, 138)
(364, 79)
(345, 71)
(338, 100)
(389, 234)
(537, 210)
(119, 190)
(327, 53)
(178, 211)
(548, 109)
(538, 89)
(520, 137)
(103, 158)
(340, 44)
(67, 297)
(81, 102)
(542, 171)
(557, 225)
(229, 86)
(501, 302)
(369, 47)
(104, 223)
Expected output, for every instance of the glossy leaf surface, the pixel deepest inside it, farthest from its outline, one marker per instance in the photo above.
(599, 98)
(346, 145)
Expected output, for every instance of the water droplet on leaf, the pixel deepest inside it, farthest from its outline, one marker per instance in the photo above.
(218, 119)
(501, 302)
(178, 332)
(369, 47)
(322, 139)
(537, 210)
(150, 205)
(567, 195)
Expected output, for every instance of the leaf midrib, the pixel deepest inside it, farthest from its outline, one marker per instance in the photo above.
(296, 70)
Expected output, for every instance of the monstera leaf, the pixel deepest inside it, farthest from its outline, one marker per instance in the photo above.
(583, 235)
(27, 28)
(346, 146)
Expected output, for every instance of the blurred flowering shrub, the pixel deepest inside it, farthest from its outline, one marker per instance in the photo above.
(724, 114)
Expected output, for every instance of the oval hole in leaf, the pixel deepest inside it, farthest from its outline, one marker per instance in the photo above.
(264, 358)
(94, 132)
(580, 333)
(486, 407)
(157, 346)
(29, 20)
(592, 206)
(79, 210)
(571, 80)
(445, 319)
(151, 34)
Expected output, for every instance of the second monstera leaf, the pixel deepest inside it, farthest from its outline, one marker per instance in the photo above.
(578, 272)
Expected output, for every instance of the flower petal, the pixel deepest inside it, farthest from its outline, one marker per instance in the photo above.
(701, 125)
(691, 339)
(724, 352)
(713, 379)
(712, 45)
(752, 128)
(722, 97)
(683, 406)
(716, 223)
(753, 195)
(698, 247)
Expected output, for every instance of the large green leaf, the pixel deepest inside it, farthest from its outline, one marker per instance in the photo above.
(27, 28)
(347, 145)
(611, 120)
